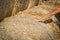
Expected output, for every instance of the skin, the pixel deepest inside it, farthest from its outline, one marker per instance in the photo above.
(47, 16)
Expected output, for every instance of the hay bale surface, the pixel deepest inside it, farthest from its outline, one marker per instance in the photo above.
(26, 28)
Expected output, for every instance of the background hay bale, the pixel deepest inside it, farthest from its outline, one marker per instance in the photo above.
(7, 8)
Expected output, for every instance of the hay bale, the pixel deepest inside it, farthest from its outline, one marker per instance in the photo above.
(7, 8)
(26, 28)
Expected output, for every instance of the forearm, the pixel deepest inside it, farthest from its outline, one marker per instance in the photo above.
(47, 16)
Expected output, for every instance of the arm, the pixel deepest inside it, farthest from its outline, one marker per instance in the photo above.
(47, 16)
